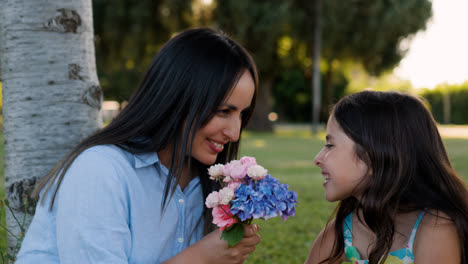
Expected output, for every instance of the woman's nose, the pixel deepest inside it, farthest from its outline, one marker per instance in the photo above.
(232, 130)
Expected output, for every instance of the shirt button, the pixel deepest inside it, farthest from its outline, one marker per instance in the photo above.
(181, 201)
(180, 240)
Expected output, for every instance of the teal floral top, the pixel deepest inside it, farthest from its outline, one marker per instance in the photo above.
(400, 256)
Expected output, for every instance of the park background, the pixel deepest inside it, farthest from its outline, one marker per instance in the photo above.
(365, 44)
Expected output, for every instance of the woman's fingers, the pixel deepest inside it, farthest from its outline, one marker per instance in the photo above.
(250, 230)
(250, 240)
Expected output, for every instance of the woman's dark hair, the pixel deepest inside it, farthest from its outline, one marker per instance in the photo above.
(397, 137)
(192, 74)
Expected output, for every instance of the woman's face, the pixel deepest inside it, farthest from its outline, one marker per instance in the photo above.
(225, 126)
(342, 170)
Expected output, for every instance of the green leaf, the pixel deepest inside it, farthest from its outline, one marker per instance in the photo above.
(234, 235)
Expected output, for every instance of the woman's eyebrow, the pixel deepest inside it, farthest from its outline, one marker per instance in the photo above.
(230, 106)
(233, 107)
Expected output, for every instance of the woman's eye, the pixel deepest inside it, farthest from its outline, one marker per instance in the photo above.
(328, 145)
(223, 111)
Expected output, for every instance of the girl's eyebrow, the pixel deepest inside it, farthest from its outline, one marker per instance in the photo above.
(328, 137)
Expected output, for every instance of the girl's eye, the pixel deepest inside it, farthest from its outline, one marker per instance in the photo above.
(243, 113)
(328, 145)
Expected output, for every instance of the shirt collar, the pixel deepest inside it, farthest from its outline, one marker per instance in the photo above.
(145, 159)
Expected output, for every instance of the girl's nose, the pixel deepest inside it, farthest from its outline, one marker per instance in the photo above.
(318, 159)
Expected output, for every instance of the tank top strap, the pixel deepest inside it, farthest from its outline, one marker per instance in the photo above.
(348, 230)
(415, 228)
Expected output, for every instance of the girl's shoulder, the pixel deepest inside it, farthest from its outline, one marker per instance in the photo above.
(437, 239)
(323, 245)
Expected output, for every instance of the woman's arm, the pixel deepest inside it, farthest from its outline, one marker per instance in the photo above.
(92, 222)
(437, 241)
(211, 249)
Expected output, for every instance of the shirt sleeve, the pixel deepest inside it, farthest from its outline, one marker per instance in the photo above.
(92, 218)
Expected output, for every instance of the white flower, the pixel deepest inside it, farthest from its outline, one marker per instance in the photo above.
(257, 172)
(226, 195)
(227, 179)
(212, 200)
(216, 171)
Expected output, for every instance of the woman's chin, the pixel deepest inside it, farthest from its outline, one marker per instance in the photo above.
(208, 160)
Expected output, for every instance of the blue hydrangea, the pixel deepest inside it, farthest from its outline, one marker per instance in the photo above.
(266, 198)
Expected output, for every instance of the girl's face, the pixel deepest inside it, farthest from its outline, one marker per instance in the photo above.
(342, 170)
(225, 126)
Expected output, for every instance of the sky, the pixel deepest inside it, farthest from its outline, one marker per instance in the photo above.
(439, 54)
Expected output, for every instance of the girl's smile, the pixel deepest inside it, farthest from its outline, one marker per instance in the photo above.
(342, 171)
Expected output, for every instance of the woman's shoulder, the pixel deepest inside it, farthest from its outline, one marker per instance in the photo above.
(437, 239)
(106, 154)
(105, 151)
(102, 162)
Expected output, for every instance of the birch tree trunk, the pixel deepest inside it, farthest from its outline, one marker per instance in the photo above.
(316, 91)
(51, 93)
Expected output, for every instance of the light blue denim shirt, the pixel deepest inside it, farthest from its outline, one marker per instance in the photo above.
(108, 210)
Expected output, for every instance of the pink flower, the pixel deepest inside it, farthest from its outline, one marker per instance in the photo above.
(212, 200)
(257, 172)
(222, 217)
(233, 185)
(248, 161)
(235, 169)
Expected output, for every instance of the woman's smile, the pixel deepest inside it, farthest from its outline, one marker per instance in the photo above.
(215, 146)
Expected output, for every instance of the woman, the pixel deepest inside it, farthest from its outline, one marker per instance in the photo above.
(134, 192)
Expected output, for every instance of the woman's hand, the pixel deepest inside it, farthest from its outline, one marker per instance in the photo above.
(213, 249)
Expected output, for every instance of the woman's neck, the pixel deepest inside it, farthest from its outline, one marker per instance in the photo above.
(187, 173)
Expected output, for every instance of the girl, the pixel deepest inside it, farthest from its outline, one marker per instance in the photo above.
(134, 192)
(400, 199)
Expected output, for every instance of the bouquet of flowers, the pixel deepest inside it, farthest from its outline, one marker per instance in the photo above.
(248, 192)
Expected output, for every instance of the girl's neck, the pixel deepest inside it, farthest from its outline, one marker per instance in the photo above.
(364, 239)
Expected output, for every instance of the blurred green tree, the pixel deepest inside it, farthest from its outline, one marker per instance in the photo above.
(280, 37)
(277, 33)
(258, 25)
(128, 35)
(368, 32)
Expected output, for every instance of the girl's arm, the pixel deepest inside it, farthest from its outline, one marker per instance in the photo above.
(323, 245)
(437, 241)
(211, 249)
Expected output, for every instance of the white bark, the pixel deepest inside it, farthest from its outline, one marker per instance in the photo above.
(51, 93)
(316, 91)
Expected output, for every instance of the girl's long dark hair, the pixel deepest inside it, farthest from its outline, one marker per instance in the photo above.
(186, 82)
(397, 137)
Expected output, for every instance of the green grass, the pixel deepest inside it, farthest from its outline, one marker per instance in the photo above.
(288, 155)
